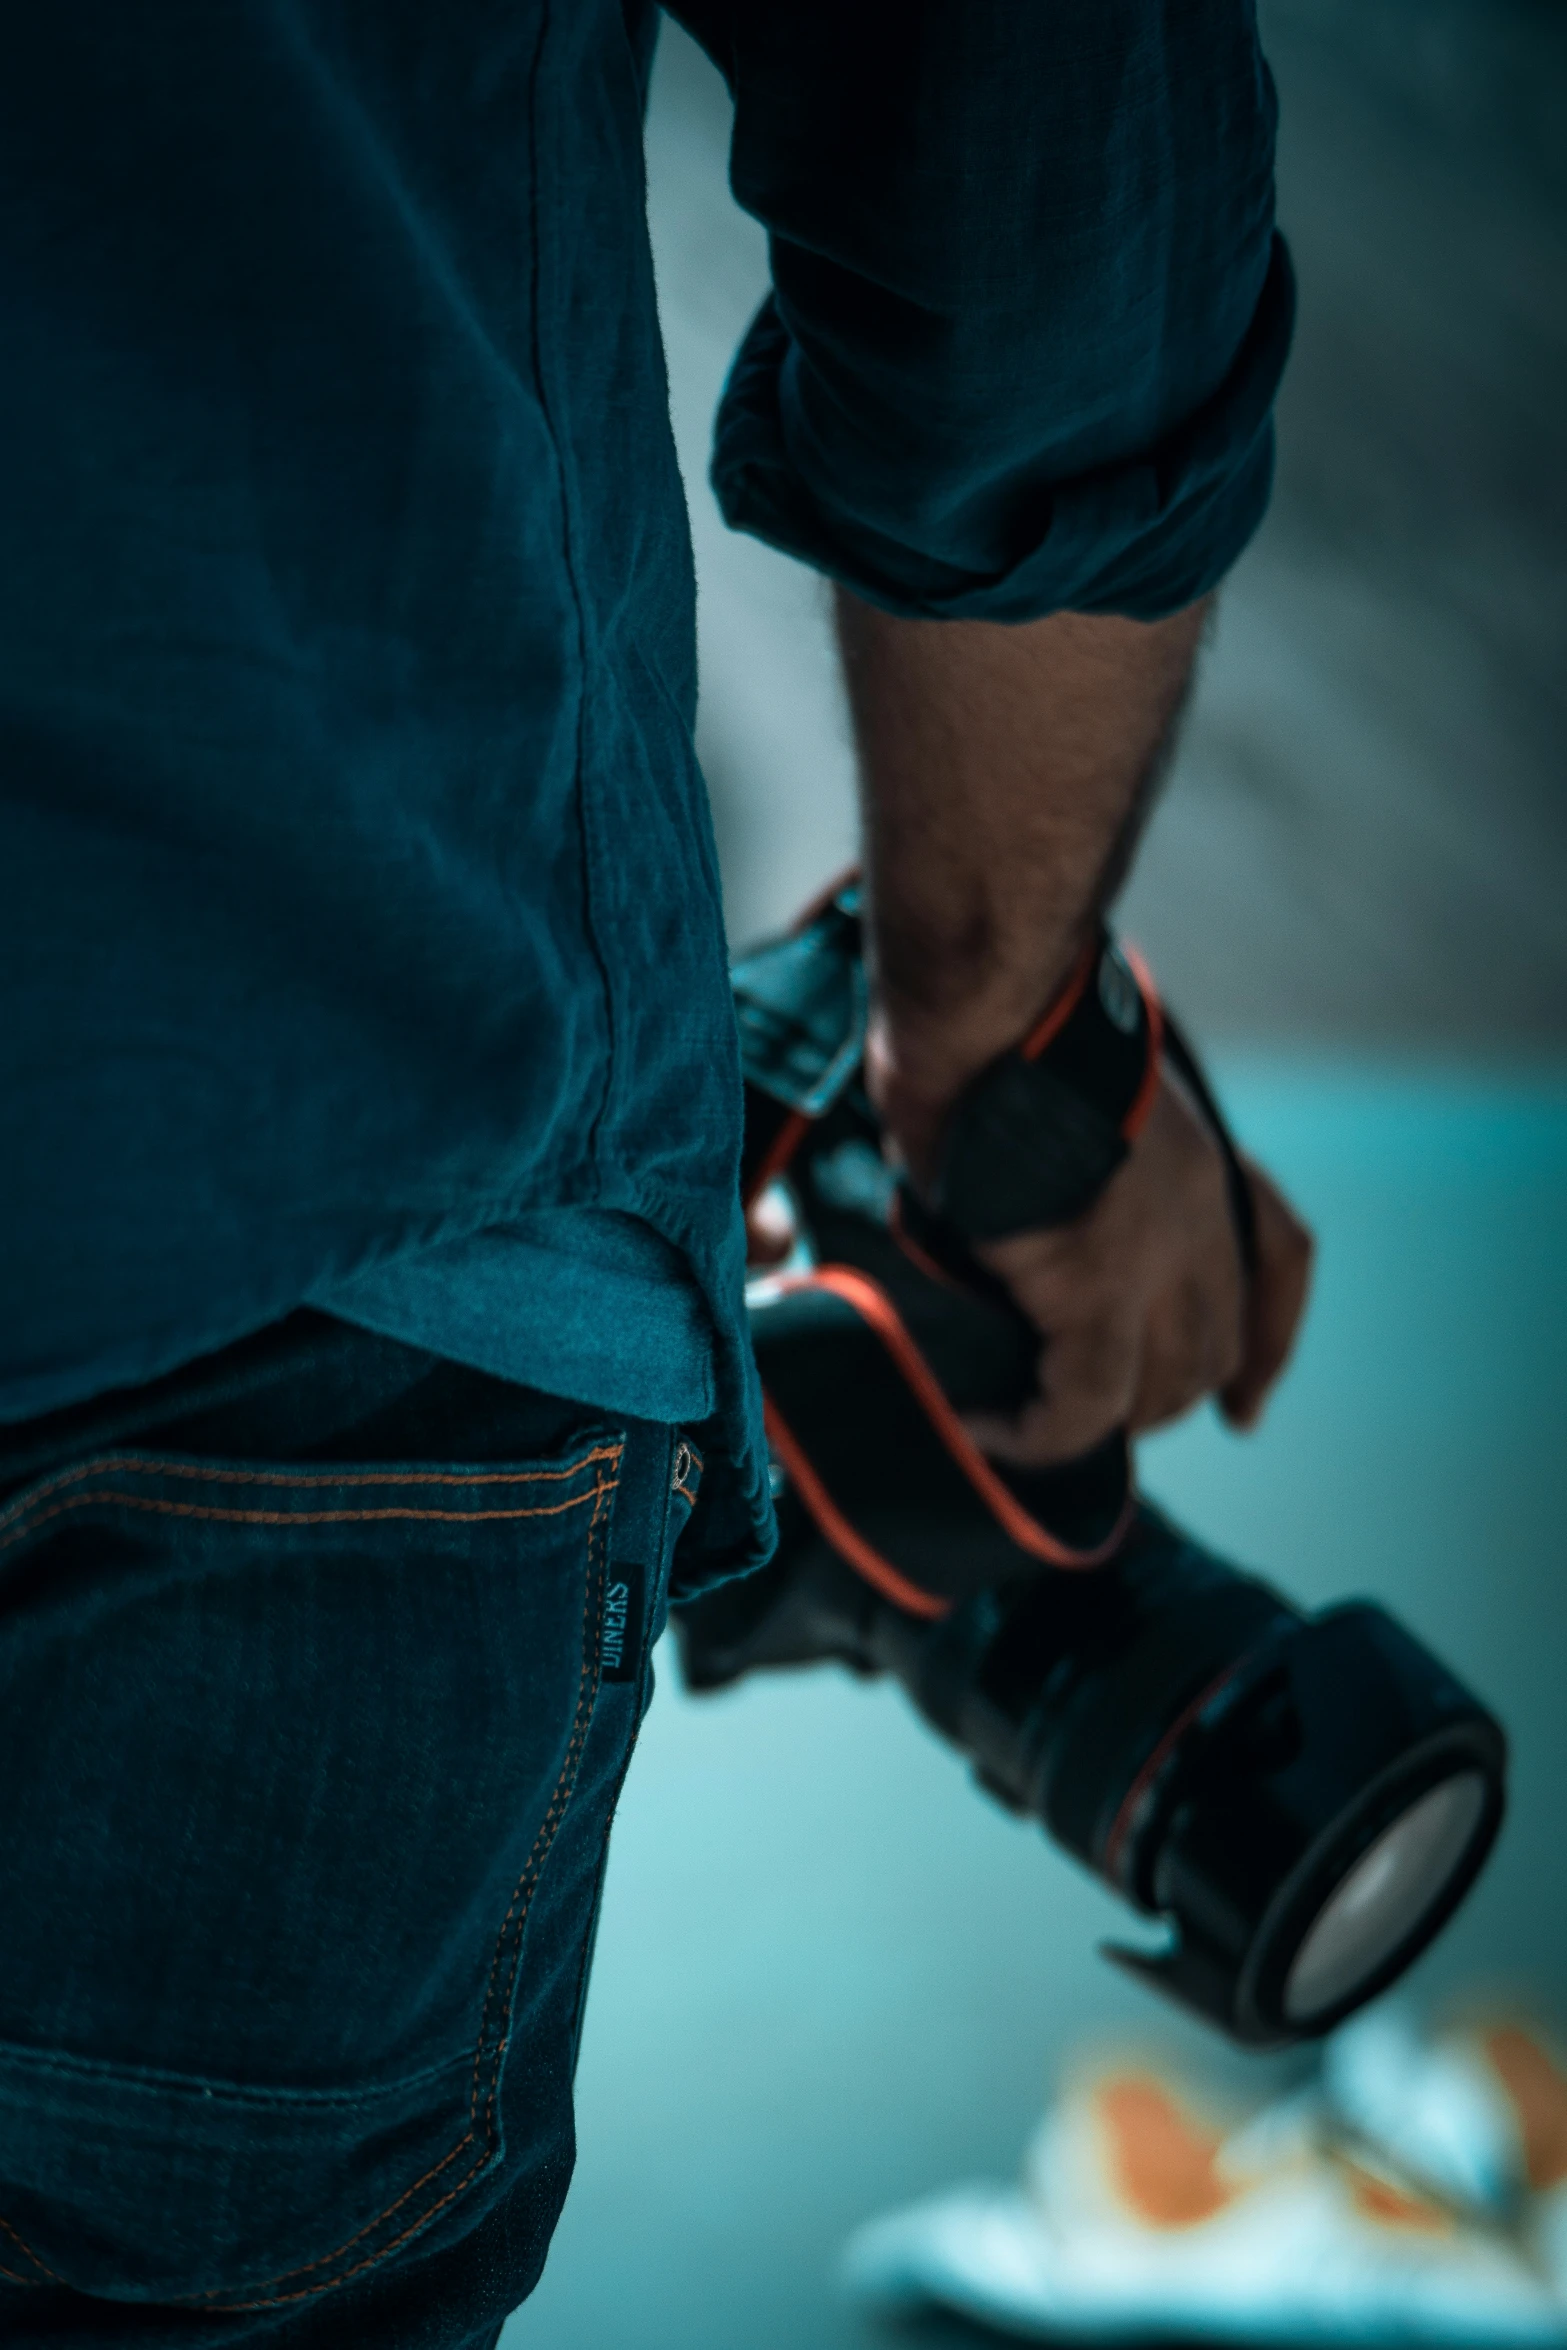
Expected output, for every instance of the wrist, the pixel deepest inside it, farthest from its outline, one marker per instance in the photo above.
(917, 1069)
(1036, 1132)
(928, 1043)
(966, 977)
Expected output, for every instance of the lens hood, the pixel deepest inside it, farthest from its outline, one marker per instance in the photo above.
(1340, 1763)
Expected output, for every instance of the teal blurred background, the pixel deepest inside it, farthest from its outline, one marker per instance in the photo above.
(830, 1974)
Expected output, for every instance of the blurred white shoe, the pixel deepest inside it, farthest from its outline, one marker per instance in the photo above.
(1478, 2115)
(1138, 2220)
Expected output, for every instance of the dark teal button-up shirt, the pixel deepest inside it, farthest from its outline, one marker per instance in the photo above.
(360, 912)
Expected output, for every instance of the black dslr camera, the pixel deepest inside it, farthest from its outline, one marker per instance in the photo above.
(1303, 1799)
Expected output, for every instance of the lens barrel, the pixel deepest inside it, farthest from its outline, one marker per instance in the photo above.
(1225, 1763)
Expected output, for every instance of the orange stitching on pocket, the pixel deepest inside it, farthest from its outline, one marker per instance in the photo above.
(147, 1464)
(587, 1688)
(308, 2292)
(31, 2255)
(194, 1509)
(357, 2237)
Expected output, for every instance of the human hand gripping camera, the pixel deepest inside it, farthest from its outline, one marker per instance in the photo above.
(1030, 1237)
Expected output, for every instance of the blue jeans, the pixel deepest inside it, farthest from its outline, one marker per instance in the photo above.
(321, 1664)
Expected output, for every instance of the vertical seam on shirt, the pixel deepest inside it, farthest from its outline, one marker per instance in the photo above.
(563, 474)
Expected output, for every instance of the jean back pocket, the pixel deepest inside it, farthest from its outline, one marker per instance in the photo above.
(283, 1754)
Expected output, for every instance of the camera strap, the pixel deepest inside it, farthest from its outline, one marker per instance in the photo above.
(801, 1005)
(848, 1390)
(1038, 1134)
(872, 1355)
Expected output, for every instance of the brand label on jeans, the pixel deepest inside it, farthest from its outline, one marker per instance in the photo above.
(620, 1646)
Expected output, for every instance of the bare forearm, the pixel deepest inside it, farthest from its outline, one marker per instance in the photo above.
(1004, 773)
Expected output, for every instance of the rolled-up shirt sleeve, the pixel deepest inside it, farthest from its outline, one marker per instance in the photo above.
(1029, 310)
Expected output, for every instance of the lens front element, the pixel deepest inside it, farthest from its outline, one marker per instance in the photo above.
(1382, 1901)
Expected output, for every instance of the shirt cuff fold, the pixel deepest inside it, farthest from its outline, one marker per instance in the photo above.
(1142, 537)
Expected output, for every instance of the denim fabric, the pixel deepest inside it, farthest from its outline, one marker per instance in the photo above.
(359, 892)
(313, 1713)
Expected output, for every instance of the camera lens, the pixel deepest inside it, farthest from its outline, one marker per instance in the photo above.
(1385, 1898)
(1314, 1820)
(1302, 1800)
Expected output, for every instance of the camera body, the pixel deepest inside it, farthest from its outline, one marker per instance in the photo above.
(1303, 1800)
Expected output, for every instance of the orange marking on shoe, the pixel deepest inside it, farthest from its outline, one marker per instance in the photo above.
(1165, 2166)
(1391, 2207)
(1538, 2089)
